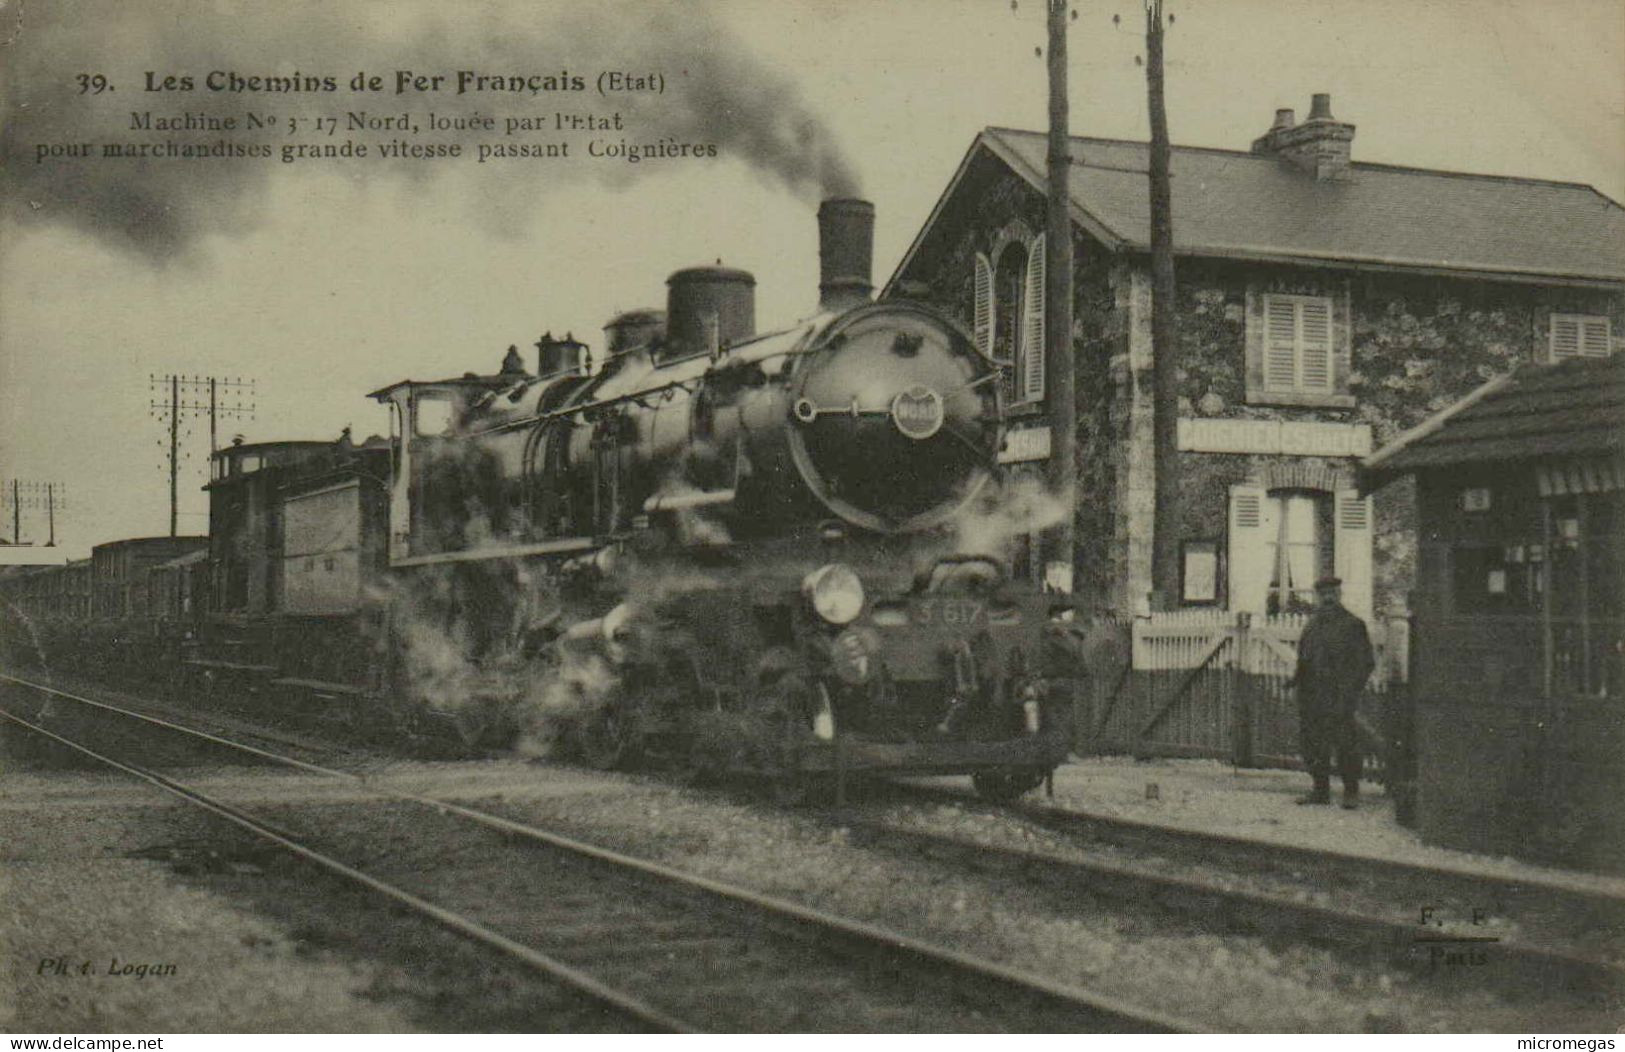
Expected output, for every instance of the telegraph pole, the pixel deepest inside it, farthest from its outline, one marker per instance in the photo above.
(174, 442)
(1164, 322)
(175, 396)
(35, 495)
(1061, 393)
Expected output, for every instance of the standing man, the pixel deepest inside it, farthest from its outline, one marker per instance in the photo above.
(1334, 661)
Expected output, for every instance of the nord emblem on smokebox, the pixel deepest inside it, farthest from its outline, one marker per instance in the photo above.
(917, 412)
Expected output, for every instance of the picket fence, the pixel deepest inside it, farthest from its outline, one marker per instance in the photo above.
(1214, 683)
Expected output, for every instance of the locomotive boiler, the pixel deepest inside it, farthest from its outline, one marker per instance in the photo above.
(730, 549)
(881, 416)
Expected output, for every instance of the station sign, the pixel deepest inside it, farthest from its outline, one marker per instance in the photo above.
(1025, 443)
(1288, 437)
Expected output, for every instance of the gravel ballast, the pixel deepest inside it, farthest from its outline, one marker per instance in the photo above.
(73, 829)
(1227, 982)
(73, 896)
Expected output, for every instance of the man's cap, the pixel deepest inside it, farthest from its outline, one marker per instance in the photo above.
(1329, 582)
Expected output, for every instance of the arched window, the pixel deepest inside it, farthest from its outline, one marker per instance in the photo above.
(1009, 316)
(1009, 288)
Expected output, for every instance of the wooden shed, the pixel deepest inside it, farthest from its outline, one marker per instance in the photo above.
(1519, 636)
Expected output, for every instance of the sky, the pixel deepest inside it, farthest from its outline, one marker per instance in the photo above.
(325, 279)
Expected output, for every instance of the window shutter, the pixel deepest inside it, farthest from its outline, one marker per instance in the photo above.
(1032, 324)
(1351, 550)
(1315, 344)
(1595, 339)
(1248, 549)
(1565, 336)
(982, 310)
(1280, 344)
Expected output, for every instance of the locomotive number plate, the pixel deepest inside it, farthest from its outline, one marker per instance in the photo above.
(955, 613)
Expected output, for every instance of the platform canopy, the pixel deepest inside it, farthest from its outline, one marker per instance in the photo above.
(1565, 420)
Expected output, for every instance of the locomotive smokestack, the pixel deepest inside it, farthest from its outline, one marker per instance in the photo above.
(846, 248)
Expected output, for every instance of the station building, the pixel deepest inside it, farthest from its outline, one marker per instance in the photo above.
(1326, 305)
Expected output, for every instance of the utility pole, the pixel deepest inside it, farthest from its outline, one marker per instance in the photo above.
(1164, 331)
(31, 494)
(1061, 393)
(174, 459)
(175, 396)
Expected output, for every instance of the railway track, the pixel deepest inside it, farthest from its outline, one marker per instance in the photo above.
(668, 950)
(1540, 933)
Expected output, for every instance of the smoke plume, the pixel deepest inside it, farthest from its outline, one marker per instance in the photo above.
(716, 91)
(990, 524)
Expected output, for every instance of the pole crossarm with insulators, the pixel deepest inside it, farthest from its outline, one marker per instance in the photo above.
(18, 495)
(177, 397)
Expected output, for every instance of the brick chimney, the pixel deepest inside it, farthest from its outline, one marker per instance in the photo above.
(1320, 145)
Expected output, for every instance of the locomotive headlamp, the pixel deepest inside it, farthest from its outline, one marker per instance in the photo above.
(835, 592)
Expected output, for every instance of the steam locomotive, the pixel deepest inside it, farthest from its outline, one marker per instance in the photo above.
(719, 550)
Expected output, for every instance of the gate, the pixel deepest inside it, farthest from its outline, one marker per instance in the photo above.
(1211, 683)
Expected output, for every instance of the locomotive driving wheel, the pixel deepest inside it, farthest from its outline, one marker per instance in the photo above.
(1008, 784)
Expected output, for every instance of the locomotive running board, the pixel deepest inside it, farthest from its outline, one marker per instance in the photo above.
(565, 546)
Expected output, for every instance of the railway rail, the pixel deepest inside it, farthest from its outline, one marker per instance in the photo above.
(670, 950)
(1546, 936)
(1551, 907)
(1215, 907)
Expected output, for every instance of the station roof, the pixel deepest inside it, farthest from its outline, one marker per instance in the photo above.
(1241, 205)
(1539, 412)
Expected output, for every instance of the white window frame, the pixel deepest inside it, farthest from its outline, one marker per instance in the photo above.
(1292, 577)
(1252, 546)
(1300, 347)
(1579, 336)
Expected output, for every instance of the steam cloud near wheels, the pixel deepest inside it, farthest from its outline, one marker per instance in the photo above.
(717, 92)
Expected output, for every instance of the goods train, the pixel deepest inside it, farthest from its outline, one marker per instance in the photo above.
(717, 549)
